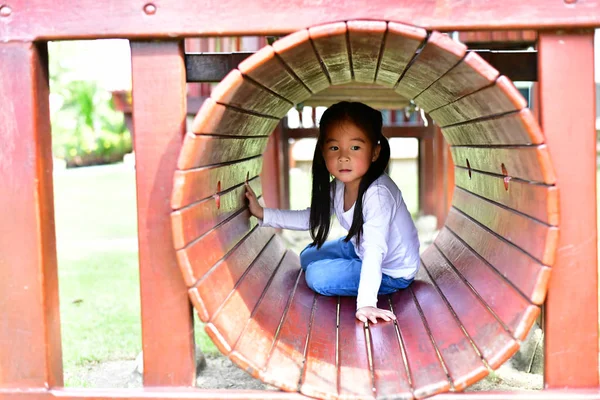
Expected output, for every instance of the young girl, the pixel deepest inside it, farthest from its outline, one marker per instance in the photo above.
(380, 254)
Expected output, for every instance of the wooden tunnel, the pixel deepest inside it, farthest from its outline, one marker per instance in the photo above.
(481, 283)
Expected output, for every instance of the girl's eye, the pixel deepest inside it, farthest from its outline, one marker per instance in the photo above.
(354, 147)
(333, 148)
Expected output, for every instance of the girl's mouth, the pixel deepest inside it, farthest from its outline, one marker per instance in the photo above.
(345, 170)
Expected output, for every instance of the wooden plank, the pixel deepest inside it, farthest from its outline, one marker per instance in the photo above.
(365, 39)
(516, 312)
(236, 91)
(527, 274)
(298, 53)
(330, 42)
(530, 163)
(215, 285)
(228, 322)
(517, 65)
(354, 372)
(535, 200)
(400, 45)
(273, 170)
(536, 238)
(211, 67)
(517, 128)
(217, 119)
(320, 375)
(428, 376)
(427, 195)
(439, 160)
(503, 97)
(268, 69)
(191, 222)
(439, 55)
(203, 150)
(418, 131)
(286, 361)
(30, 344)
(159, 109)
(189, 18)
(254, 346)
(568, 117)
(472, 73)
(494, 343)
(193, 185)
(462, 361)
(390, 371)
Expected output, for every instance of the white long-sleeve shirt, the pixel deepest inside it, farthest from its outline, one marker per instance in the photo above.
(389, 243)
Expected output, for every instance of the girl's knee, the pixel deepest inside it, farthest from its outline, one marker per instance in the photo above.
(316, 280)
(307, 256)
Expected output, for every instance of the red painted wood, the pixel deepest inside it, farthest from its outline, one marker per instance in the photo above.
(517, 313)
(530, 163)
(568, 114)
(211, 291)
(536, 238)
(355, 375)
(536, 200)
(449, 178)
(30, 344)
(269, 70)
(389, 369)
(427, 194)
(511, 129)
(427, 373)
(227, 323)
(495, 344)
(365, 39)
(439, 55)
(462, 361)
(273, 170)
(159, 113)
(524, 272)
(320, 375)
(400, 45)
(217, 119)
(472, 73)
(439, 154)
(502, 97)
(202, 150)
(189, 18)
(331, 47)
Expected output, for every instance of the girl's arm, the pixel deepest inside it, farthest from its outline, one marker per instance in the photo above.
(286, 219)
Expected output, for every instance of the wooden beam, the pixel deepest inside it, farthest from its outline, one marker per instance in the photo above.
(404, 131)
(212, 67)
(30, 345)
(159, 116)
(517, 65)
(568, 116)
(85, 19)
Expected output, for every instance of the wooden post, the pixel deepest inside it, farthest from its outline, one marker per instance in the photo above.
(426, 176)
(568, 115)
(271, 175)
(30, 347)
(159, 111)
(439, 161)
(449, 182)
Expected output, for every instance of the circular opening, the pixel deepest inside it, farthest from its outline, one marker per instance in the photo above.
(469, 168)
(506, 177)
(218, 196)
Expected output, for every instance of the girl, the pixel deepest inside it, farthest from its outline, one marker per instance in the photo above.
(380, 254)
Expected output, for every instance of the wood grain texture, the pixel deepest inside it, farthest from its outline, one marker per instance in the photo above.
(331, 44)
(365, 39)
(217, 119)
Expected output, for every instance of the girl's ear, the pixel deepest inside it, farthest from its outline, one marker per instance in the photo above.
(376, 151)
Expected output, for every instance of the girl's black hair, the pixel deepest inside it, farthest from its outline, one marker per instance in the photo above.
(370, 122)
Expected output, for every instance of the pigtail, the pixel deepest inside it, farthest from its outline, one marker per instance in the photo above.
(320, 204)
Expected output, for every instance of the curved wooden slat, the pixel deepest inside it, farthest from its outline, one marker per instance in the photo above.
(268, 70)
(242, 93)
(527, 274)
(517, 128)
(330, 41)
(439, 55)
(500, 98)
(298, 53)
(217, 119)
(204, 150)
(511, 307)
(400, 45)
(530, 163)
(365, 40)
(537, 239)
(495, 344)
(471, 74)
(536, 200)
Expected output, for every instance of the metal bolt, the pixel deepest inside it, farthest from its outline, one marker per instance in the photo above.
(150, 9)
(5, 11)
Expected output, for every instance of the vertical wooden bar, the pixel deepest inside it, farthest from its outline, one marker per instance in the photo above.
(30, 346)
(449, 177)
(426, 176)
(568, 115)
(159, 109)
(439, 163)
(271, 175)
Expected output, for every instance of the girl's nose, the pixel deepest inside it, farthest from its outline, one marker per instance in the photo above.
(343, 158)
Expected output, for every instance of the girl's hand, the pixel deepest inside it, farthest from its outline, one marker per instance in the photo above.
(371, 314)
(255, 208)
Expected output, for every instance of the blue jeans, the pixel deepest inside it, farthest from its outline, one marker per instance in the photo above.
(334, 270)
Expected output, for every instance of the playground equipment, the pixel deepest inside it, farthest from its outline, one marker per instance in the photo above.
(483, 280)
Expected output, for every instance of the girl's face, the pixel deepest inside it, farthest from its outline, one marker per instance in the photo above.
(348, 153)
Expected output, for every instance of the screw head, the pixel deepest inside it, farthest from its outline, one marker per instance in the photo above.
(5, 10)
(150, 9)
